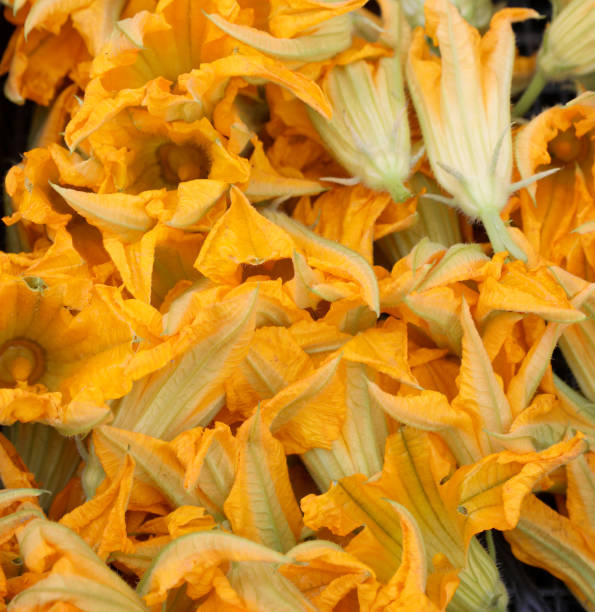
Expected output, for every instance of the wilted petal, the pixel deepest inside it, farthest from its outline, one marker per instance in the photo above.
(191, 558)
(326, 574)
(215, 343)
(481, 392)
(50, 547)
(261, 505)
(384, 349)
(158, 474)
(490, 493)
(349, 504)
(241, 236)
(310, 411)
(209, 461)
(331, 257)
(101, 520)
(546, 539)
(274, 360)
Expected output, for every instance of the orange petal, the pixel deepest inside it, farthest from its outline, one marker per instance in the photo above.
(261, 505)
(239, 238)
(100, 521)
(309, 412)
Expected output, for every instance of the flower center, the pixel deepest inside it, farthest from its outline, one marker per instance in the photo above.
(183, 162)
(21, 361)
(567, 147)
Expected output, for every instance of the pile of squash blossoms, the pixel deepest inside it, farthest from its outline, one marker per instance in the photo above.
(282, 287)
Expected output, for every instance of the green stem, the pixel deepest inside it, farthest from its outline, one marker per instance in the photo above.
(498, 234)
(491, 545)
(530, 94)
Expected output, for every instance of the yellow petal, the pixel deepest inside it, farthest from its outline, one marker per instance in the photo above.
(79, 592)
(267, 183)
(491, 492)
(546, 539)
(239, 238)
(193, 556)
(480, 390)
(262, 587)
(329, 39)
(206, 82)
(524, 384)
(310, 411)
(437, 309)
(431, 411)
(415, 464)
(135, 262)
(182, 521)
(406, 589)
(100, 521)
(384, 349)
(348, 215)
(50, 547)
(348, 505)
(290, 17)
(158, 474)
(209, 462)
(580, 494)
(118, 213)
(208, 350)
(326, 574)
(360, 448)
(274, 360)
(261, 505)
(331, 257)
(539, 291)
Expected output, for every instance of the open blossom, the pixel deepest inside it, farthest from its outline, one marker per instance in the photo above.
(57, 367)
(564, 138)
(55, 41)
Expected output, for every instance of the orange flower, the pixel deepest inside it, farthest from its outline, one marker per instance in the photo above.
(56, 40)
(563, 138)
(261, 505)
(194, 559)
(66, 572)
(470, 152)
(177, 72)
(58, 367)
(414, 465)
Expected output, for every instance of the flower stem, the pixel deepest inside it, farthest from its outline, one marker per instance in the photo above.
(499, 236)
(530, 94)
(491, 545)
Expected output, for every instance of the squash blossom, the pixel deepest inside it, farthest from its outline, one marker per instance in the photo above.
(476, 12)
(564, 138)
(463, 104)
(369, 130)
(566, 50)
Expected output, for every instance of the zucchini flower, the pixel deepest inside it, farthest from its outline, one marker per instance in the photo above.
(369, 132)
(566, 50)
(462, 101)
(476, 12)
